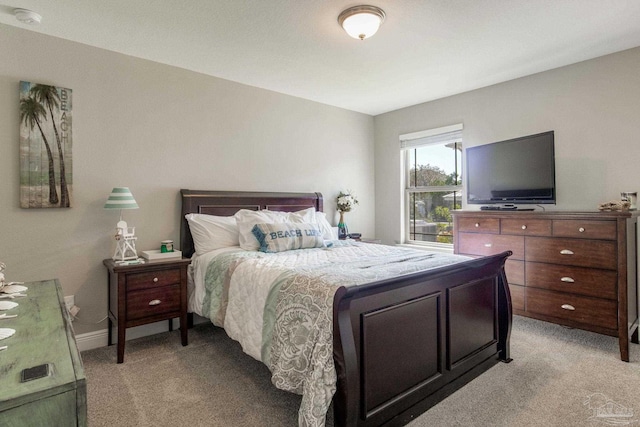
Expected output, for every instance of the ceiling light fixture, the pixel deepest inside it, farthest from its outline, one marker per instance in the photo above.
(27, 16)
(361, 22)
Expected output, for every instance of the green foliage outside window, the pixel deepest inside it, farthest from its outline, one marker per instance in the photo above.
(434, 192)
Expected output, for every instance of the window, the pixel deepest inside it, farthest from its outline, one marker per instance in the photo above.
(433, 185)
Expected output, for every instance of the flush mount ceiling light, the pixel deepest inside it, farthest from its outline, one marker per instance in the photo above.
(27, 16)
(361, 22)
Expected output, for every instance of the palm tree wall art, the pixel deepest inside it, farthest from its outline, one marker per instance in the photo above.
(45, 167)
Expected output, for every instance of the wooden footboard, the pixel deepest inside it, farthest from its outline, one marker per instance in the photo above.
(403, 345)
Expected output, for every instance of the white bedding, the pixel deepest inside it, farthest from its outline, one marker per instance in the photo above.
(197, 271)
(252, 281)
(248, 291)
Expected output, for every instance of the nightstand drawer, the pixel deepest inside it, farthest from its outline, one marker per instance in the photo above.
(150, 302)
(153, 279)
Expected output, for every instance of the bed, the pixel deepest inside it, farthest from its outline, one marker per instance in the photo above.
(397, 345)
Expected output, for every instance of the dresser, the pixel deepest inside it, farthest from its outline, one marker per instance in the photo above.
(577, 269)
(43, 335)
(145, 293)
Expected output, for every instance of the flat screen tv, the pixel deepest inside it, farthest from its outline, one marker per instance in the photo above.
(516, 171)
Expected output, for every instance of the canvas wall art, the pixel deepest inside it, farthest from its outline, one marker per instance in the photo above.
(46, 178)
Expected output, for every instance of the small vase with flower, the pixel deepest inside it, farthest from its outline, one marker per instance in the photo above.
(346, 201)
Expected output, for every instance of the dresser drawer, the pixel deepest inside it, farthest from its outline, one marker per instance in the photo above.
(515, 271)
(585, 229)
(579, 252)
(489, 244)
(479, 225)
(579, 280)
(589, 311)
(150, 302)
(153, 279)
(517, 297)
(526, 227)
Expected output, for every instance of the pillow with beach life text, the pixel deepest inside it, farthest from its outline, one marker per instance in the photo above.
(280, 237)
(247, 218)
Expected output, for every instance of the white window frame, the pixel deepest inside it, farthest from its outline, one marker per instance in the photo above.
(411, 141)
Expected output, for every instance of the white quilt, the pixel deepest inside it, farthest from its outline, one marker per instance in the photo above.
(251, 282)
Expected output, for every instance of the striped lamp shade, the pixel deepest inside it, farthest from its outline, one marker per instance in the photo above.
(121, 198)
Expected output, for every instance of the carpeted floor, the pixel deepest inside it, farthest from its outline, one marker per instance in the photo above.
(557, 378)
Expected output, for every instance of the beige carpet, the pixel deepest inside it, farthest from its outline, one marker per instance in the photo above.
(558, 378)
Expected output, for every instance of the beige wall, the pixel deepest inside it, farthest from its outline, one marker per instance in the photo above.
(593, 107)
(156, 129)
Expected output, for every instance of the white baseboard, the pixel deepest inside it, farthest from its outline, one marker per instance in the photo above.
(97, 339)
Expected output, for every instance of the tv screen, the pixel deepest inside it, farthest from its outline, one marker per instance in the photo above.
(520, 170)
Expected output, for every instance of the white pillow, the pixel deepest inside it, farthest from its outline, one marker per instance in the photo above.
(305, 215)
(212, 232)
(327, 230)
(247, 218)
(276, 237)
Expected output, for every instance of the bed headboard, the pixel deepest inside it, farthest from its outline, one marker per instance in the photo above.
(227, 203)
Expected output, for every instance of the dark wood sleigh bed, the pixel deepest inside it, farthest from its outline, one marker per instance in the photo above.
(400, 345)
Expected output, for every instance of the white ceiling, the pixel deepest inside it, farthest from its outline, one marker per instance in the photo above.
(425, 49)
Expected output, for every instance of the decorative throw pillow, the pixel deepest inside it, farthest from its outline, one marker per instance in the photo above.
(247, 218)
(212, 232)
(287, 236)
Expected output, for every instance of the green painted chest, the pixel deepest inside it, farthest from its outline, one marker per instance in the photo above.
(43, 335)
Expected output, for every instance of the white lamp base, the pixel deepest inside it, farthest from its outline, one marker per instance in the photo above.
(125, 243)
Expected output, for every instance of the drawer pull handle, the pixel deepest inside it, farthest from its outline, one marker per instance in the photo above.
(581, 229)
(154, 302)
(524, 227)
(568, 307)
(566, 252)
(567, 280)
(488, 245)
(477, 225)
(155, 280)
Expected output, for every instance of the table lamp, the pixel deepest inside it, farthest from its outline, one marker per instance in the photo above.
(121, 198)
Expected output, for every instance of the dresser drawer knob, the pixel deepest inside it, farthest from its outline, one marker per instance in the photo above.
(155, 280)
(581, 229)
(154, 302)
(568, 307)
(566, 252)
(477, 224)
(488, 245)
(524, 227)
(567, 280)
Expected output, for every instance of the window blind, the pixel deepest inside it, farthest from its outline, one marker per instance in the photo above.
(441, 135)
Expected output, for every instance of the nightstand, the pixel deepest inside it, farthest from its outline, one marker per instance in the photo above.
(146, 293)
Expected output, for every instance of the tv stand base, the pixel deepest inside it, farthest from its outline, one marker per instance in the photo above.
(504, 208)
